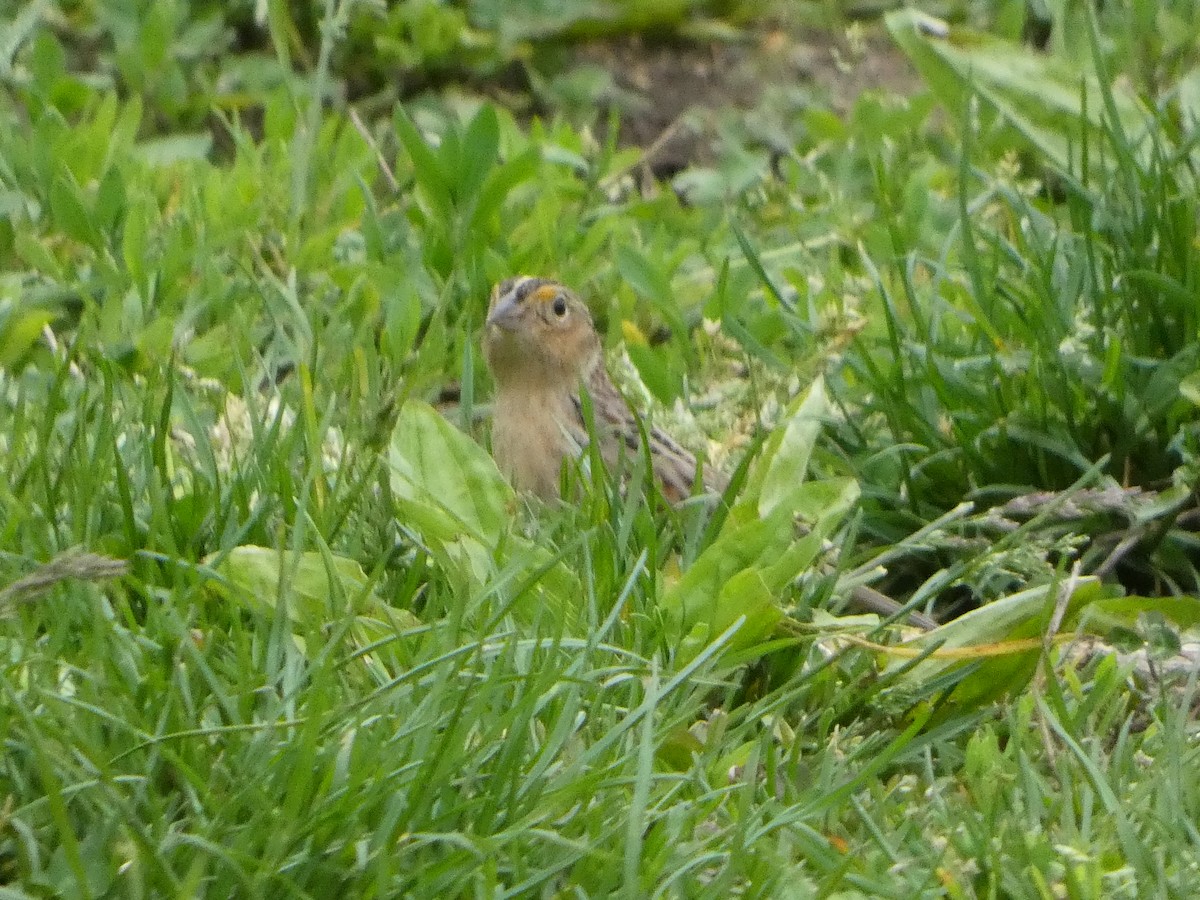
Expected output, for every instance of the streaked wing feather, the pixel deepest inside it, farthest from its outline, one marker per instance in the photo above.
(674, 467)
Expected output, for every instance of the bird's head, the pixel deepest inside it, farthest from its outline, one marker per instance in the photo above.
(539, 331)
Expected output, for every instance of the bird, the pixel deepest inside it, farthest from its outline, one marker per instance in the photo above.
(541, 346)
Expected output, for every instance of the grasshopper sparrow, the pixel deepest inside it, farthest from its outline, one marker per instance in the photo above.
(542, 348)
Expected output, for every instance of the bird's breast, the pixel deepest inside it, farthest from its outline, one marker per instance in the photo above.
(531, 435)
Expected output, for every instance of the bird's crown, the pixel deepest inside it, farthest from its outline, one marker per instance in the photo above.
(527, 289)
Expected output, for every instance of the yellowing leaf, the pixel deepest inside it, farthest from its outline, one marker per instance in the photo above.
(633, 334)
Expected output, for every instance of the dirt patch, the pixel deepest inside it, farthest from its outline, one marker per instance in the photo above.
(665, 89)
(671, 94)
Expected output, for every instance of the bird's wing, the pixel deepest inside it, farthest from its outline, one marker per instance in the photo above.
(674, 467)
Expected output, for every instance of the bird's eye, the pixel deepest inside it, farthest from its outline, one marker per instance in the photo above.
(560, 306)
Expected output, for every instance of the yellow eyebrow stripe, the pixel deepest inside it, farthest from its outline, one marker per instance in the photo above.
(546, 293)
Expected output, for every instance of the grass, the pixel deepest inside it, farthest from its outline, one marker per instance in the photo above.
(272, 625)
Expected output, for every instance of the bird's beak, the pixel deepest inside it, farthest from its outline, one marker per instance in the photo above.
(505, 314)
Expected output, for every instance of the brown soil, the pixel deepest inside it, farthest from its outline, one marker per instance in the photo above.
(670, 94)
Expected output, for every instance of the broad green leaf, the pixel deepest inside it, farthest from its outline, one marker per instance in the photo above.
(110, 200)
(646, 279)
(784, 461)
(747, 594)
(740, 548)
(480, 145)
(1190, 388)
(1041, 96)
(652, 284)
(1187, 91)
(677, 749)
(759, 551)
(256, 571)
(140, 218)
(656, 372)
(449, 491)
(125, 129)
(1163, 503)
(318, 587)
(71, 212)
(20, 330)
(1018, 617)
(430, 174)
(175, 148)
(799, 556)
(33, 251)
(500, 181)
(1123, 612)
(19, 27)
(815, 502)
(12, 203)
(436, 465)
(212, 352)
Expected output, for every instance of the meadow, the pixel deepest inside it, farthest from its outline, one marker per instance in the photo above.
(926, 283)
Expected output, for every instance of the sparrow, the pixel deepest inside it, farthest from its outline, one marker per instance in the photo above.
(542, 348)
(544, 352)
